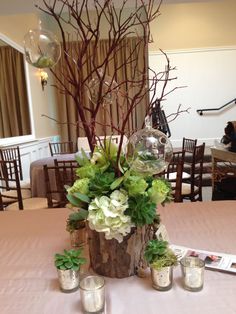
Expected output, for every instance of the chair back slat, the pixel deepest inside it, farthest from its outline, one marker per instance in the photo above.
(56, 178)
(176, 167)
(9, 174)
(12, 153)
(189, 145)
(196, 171)
(60, 148)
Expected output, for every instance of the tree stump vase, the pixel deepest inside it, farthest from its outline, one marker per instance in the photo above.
(118, 260)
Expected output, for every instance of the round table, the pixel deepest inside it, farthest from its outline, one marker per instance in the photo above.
(29, 284)
(37, 181)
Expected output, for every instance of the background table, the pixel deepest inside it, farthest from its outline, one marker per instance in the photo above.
(37, 181)
(229, 166)
(28, 278)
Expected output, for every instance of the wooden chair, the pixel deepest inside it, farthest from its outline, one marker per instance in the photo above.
(66, 163)
(1, 202)
(56, 178)
(13, 153)
(61, 148)
(189, 145)
(192, 187)
(173, 174)
(10, 185)
(12, 196)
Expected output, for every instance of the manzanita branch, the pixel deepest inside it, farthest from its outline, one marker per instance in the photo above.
(133, 89)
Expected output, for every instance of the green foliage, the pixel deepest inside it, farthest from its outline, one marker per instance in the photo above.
(158, 254)
(77, 193)
(169, 259)
(101, 184)
(141, 210)
(76, 220)
(155, 249)
(78, 199)
(83, 159)
(80, 185)
(87, 171)
(71, 259)
(115, 184)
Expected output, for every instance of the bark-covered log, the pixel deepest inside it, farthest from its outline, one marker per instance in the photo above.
(118, 260)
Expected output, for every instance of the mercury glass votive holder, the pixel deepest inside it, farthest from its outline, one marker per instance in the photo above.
(193, 273)
(162, 279)
(92, 294)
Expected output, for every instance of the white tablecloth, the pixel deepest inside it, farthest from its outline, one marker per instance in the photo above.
(28, 278)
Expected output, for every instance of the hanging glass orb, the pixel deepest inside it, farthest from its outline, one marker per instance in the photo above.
(108, 86)
(42, 49)
(148, 151)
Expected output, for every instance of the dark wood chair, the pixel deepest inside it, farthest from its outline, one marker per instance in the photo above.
(66, 163)
(192, 187)
(56, 178)
(174, 173)
(1, 202)
(12, 196)
(13, 153)
(189, 145)
(10, 184)
(61, 148)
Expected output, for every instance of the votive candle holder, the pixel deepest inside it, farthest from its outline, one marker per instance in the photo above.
(193, 273)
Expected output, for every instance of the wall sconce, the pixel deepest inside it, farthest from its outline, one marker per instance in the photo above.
(44, 78)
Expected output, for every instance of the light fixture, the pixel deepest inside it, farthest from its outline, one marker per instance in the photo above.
(44, 78)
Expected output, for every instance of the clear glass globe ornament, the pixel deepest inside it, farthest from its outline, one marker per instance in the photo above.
(102, 88)
(148, 151)
(42, 49)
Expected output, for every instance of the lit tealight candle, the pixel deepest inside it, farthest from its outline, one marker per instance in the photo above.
(193, 273)
(92, 292)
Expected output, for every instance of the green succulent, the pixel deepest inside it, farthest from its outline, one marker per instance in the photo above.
(44, 62)
(158, 254)
(101, 184)
(71, 259)
(76, 220)
(141, 210)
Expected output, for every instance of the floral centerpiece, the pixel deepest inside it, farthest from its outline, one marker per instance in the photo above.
(104, 82)
(122, 214)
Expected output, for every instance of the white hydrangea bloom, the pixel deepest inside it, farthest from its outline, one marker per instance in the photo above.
(106, 214)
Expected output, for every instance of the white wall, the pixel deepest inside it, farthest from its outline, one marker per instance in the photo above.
(32, 151)
(209, 75)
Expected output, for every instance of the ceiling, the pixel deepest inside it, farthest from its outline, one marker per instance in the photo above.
(8, 7)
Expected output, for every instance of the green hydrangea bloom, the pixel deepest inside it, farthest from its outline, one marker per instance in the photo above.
(87, 171)
(80, 185)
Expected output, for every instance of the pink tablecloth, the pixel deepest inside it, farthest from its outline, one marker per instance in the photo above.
(28, 279)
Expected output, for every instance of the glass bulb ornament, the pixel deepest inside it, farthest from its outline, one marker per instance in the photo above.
(148, 151)
(102, 88)
(42, 48)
